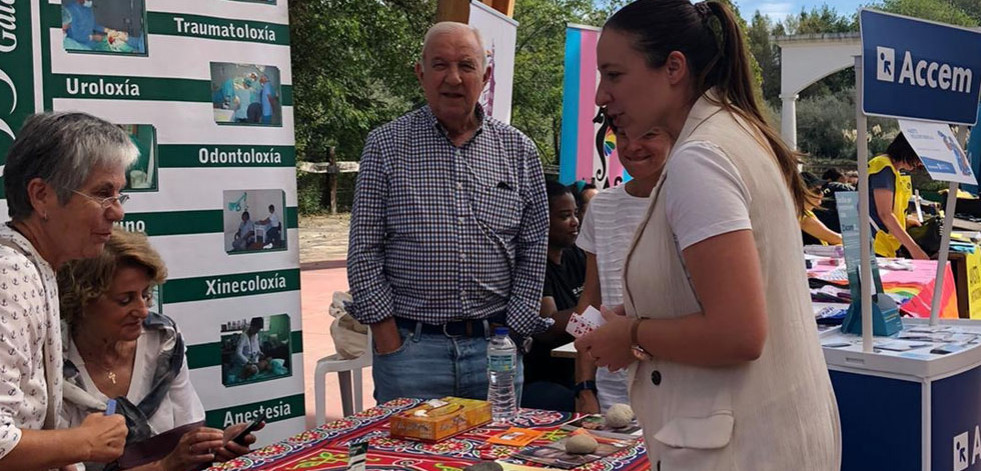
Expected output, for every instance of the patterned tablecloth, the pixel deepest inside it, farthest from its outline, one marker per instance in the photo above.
(326, 447)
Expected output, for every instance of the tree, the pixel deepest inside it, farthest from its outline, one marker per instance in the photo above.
(934, 10)
(352, 71)
(539, 65)
(766, 53)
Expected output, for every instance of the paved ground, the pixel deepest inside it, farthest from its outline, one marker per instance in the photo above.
(323, 247)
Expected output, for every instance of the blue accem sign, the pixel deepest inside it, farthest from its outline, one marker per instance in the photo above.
(918, 69)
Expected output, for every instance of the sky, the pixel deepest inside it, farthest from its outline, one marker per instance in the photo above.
(779, 9)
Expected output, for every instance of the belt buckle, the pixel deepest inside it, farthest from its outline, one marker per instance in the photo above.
(446, 332)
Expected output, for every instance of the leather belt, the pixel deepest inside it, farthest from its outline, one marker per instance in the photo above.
(462, 328)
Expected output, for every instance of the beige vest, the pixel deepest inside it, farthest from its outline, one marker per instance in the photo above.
(776, 413)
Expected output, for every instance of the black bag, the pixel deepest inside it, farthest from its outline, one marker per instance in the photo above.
(928, 235)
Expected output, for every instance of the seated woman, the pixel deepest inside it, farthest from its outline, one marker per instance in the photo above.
(118, 349)
(814, 231)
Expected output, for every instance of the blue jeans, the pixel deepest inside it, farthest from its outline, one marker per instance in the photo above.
(435, 365)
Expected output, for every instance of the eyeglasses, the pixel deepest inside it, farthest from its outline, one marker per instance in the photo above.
(105, 203)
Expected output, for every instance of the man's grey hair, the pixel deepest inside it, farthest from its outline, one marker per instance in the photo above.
(62, 149)
(445, 27)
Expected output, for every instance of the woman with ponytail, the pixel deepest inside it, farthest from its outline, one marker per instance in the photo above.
(718, 330)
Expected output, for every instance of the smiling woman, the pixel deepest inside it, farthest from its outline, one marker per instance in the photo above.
(62, 181)
(119, 350)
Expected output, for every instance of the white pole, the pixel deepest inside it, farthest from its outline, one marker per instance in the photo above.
(864, 236)
(938, 285)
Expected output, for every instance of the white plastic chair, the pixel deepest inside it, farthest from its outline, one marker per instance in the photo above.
(351, 397)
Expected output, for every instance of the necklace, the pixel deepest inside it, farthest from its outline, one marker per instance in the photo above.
(109, 372)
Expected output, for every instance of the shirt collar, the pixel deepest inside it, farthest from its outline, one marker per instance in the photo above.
(432, 121)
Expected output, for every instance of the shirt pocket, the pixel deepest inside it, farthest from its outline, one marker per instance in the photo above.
(498, 209)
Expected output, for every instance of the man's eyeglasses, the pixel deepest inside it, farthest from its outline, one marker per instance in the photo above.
(105, 203)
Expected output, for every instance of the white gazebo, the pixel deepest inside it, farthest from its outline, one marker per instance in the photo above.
(805, 59)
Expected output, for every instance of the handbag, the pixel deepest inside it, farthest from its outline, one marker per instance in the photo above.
(928, 235)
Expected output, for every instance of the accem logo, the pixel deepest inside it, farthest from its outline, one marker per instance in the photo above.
(8, 43)
(966, 452)
(921, 73)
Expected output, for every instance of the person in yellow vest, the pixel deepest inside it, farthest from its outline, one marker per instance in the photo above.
(889, 193)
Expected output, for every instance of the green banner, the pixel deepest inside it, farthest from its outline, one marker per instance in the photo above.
(16, 71)
(211, 155)
(206, 355)
(167, 223)
(129, 88)
(111, 87)
(196, 26)
(282, 408)
(230, 286)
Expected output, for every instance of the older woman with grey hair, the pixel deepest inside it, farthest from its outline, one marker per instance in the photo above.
(63, 177)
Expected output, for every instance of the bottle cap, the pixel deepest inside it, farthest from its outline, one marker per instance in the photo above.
(500, 331)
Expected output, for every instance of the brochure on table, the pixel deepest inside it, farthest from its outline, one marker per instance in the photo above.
(915, 351)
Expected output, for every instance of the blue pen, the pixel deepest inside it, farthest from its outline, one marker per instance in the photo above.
(110, 407)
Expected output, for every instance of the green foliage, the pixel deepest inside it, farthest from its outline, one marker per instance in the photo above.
(352, 69)
(766, 54)
(539, 65)
(826, 127)
(936, 10)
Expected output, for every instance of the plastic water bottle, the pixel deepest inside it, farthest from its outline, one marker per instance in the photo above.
(502, 357)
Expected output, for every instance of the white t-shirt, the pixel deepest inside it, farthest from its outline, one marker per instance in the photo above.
(606, 232)
(703, 194)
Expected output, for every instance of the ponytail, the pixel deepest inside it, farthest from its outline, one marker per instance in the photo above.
(709, 37)
(732, 77)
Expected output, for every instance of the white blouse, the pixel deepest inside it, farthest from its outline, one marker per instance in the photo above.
(181, 406)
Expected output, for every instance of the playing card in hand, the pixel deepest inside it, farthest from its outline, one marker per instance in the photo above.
(582, 324)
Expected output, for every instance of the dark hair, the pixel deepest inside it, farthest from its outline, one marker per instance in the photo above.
(256, 323)
(899, 150)
(811, 180)
(555, 189)
(709, 37)
(247, 215)
(578, 188)
(272, 208)
(832, 175)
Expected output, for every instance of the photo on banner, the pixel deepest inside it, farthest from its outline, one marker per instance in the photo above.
(104, 26)
(142, 175)
(255, 349)
(253, 220)
(246, 94)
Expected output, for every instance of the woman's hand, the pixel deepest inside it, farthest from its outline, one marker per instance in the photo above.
(194, 449)
(231, 449)
(104, 435)
(609, 345)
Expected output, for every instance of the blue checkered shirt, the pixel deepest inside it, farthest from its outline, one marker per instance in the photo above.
(442, 233)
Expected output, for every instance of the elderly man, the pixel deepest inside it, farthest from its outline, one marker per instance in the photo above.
(448, 231)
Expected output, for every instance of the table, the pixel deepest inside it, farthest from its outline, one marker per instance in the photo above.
(326, 447)
(911, 409)
(916, 286)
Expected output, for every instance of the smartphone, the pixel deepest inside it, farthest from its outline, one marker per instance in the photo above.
(240, 438)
